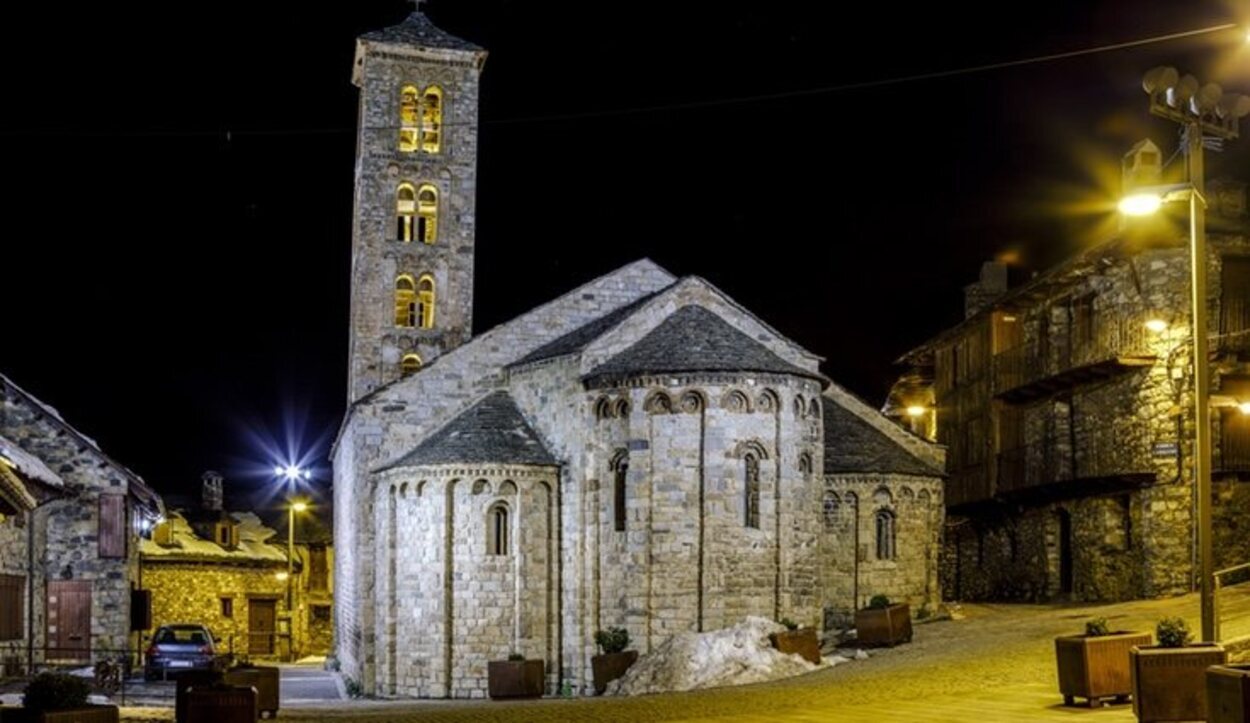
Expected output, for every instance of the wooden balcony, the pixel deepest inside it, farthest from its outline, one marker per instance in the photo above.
(1033, 370)
(1055, 468)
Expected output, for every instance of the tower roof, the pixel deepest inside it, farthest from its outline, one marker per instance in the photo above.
(491, 431)
(694, 339)
(418, 31)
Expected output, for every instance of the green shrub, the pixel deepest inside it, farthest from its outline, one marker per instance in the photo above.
(515, 657)
(612, 640)
(1097, 627)
(1172, 633)
(878, 602)
(790, 624)
(55, 691)
(924, 613)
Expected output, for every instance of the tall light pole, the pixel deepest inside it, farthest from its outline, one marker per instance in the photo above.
(1200, 110)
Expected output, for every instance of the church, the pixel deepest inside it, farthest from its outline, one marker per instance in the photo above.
(641, 451)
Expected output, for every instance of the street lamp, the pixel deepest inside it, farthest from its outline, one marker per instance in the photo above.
(1200, 109)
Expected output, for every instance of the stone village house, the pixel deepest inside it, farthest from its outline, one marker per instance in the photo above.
(641, 451)
(70, 522)
(227, 570)
(1069, 420)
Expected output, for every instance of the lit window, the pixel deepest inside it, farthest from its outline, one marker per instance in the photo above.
(752, 491)
(497, 530)
(227, 607)
(427, 214)
(885, 535)
(425, 302)
(405, 212)
(432, 119)
(405, 302)
(409, 119)
(411, 364)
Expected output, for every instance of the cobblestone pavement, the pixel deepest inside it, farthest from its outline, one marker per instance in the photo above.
(996, 664)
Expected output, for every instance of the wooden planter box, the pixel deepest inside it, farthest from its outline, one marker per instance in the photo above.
(889, 626)
(1096, 667)
(1228, 694)
(264, 679)
(184, 682)
(90, 714)
(1169, 684)
(221, 704)
(802, 641)
(515, 678)
(610, 666)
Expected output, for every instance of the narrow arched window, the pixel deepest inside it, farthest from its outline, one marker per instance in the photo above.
(410, 364)
(425, 302)
(830, 509)
(405, 301)
(427, 214)
(497, 530)
(405, 212)
(618, 492)
(409, 119)
(885, 535)
(432, 119)
(752, 491)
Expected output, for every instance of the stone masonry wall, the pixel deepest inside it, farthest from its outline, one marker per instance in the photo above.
(14, 532)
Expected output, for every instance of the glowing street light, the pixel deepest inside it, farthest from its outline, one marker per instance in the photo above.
(1158, 326)
(1244, 407)
(916, 411)
(291, 473)
(1141, 204)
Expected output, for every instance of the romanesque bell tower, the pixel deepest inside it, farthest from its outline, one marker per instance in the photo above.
(413, 226)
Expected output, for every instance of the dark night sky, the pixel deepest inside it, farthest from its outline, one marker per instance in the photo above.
(178, 182)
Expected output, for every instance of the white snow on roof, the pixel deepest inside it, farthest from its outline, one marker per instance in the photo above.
(28, 464)
(253, 546)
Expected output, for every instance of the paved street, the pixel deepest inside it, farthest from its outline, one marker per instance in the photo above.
(994, 665)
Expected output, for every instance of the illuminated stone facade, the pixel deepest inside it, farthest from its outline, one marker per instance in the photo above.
(639, 452)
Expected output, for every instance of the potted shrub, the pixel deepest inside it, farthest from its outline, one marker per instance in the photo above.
(1094, 666)
(58, 698)
(1169, 681)
(515, 677)
(796, 640)
(264, 678)
(613, 659)
(883, 623)
(1228, 694)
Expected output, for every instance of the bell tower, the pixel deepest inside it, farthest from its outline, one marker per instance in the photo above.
(416, 180)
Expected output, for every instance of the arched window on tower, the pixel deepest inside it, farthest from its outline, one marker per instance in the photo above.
(432, 119)
(424, 310)
(427, 214)
(405, 301)
(405, 212)
(619, 470)
(409, 365)
(752, 491)
(409, 119)
(885, 535)
(497, 529)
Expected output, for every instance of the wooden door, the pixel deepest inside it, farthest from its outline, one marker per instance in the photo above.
(69, 619)
(262, 616)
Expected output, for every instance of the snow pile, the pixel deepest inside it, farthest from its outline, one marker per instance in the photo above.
(733, 656)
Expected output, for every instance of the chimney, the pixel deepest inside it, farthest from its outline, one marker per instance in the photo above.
(1142, 166)
(987, 289)
(212, 499)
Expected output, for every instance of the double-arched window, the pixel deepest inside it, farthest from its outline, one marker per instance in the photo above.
(420, 119)
(409, 365)
(416, 213)
(414, 301)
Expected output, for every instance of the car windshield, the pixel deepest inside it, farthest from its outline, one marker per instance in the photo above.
(182, 636)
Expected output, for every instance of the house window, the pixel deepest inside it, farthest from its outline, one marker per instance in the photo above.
(427, 214)
(411, 364)
(1083, 330)
(432, 119)
(885, 535)
(321, 613)
(1235, 426)
(752, 491)
(112, 526)
(425, 302)
(497, 530)
(405, 212)
(830, 510)
(405, 302)
(227, 607)
(227, 534)
(618, 492)
(12, 606)
(409, 119)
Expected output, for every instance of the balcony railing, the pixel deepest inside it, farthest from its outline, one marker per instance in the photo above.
(1033, 369)
(1060, 459)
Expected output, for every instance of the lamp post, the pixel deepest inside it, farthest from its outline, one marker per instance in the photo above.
(1199, 110)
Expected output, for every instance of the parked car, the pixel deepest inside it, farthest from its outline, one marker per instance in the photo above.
(179, 648)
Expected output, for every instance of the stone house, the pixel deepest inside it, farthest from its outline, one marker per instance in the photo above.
(81, 553)
(641, 451)
(1066, 407)
(228, 570)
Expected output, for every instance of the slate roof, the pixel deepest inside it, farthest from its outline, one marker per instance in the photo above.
(854, 445)
(491, 431)
(694, 339)
(580, 338)
(419, 31)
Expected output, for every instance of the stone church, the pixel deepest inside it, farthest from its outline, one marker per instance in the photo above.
(640, 452)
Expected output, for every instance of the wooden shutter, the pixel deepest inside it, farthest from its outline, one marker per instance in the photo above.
(12, 606)
(112, 531)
